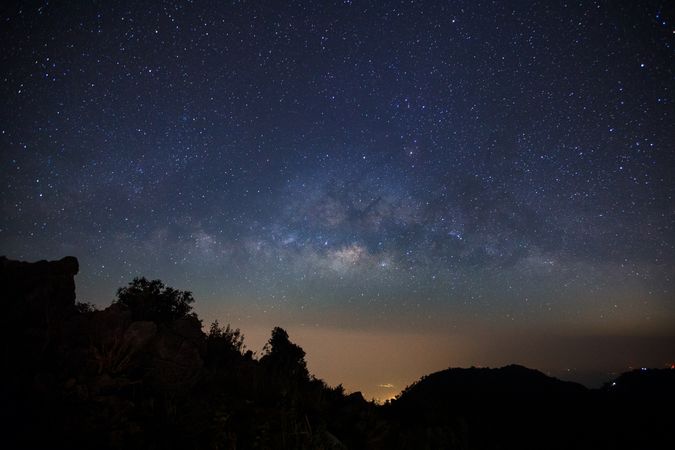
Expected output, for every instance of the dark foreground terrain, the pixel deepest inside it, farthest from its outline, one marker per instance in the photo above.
(141, 374)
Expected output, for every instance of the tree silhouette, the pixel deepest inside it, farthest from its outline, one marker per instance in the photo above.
(283, 356)
(152, 300)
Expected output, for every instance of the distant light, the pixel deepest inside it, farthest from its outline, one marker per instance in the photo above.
(613, 383)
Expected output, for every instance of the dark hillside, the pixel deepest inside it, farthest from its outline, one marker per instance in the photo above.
(142, 374)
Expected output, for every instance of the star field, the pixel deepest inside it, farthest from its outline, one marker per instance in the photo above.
(351, 165)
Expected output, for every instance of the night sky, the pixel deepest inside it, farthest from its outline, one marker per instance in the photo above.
(402, 186)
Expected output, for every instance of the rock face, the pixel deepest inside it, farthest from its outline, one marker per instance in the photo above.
(177, 354)
(37, 299)
(42, 291)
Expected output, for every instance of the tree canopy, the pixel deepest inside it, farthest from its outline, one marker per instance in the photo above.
(152, 300)
(284, 356)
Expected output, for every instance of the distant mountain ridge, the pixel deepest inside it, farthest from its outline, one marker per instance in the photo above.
(512, 379)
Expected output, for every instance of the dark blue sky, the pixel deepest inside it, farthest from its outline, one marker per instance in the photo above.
(410, 166)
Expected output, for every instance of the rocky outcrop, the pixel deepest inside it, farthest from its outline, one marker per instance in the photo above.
(37, 300)
(42, 291)
(177, 354)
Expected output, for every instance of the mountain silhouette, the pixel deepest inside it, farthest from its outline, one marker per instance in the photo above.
(479, 383)
(142, 374)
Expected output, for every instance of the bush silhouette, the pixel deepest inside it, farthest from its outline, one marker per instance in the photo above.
(152, 300)
(223, 345)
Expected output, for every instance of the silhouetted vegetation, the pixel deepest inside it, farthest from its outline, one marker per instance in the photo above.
(284, 358)
(223, 345)
(85, 307)
(151, 300)
(141, 374)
